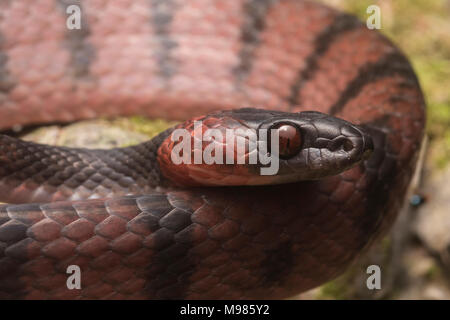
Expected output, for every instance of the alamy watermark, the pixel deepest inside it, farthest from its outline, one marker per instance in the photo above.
(74, 280)
(374, 20)
(74, 20)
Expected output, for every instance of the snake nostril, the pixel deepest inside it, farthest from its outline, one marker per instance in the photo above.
(347, 145)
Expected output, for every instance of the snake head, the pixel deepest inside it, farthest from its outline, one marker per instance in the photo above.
(258, 147)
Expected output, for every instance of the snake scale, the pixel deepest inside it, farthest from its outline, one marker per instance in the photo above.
(112, 212)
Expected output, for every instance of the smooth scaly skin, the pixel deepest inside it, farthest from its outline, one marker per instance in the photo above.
(176, 59)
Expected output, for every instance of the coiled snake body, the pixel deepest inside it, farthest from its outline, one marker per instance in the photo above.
(144, 236)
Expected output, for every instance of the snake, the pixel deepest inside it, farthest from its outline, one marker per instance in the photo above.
(131, 223)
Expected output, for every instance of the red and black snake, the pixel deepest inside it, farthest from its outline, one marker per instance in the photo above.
(130, 219)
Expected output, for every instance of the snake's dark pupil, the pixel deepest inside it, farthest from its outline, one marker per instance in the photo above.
(290, 140)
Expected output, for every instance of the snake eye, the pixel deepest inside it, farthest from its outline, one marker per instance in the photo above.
(290, 140)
